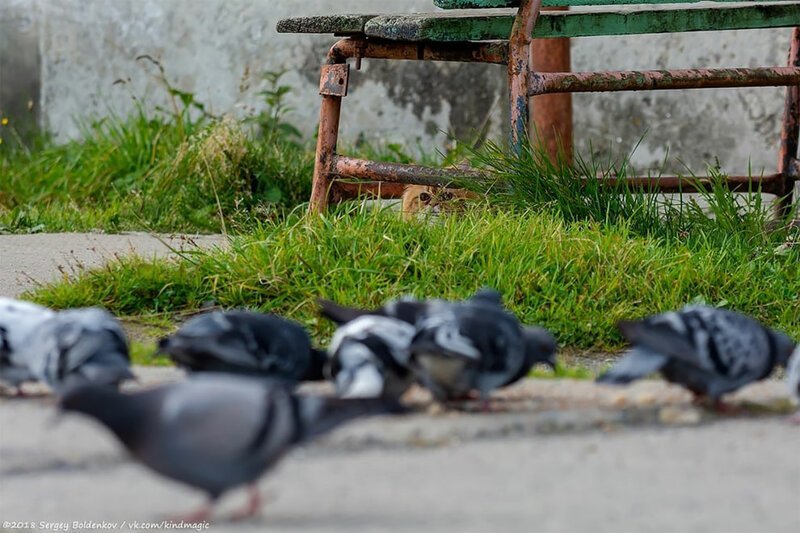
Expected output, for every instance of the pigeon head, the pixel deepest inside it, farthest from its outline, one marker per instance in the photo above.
(116, 411)
(540, 346)
(784, 346)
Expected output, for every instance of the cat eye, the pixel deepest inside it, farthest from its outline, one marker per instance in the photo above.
(447, 195)
(425, 197)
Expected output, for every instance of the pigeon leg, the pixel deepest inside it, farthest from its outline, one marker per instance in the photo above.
(722, 407)
(486, 406)
(203, 514)
(253, 506)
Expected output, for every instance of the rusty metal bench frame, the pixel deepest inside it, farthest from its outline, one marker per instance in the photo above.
(388, 179)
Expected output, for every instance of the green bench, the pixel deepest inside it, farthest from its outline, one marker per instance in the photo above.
(500, 32)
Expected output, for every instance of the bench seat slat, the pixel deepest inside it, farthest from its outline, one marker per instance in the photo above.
(339, 24)
(491, 24)
(483, 4)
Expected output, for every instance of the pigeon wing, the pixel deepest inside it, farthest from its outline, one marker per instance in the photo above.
(225, 419)
(341, 314)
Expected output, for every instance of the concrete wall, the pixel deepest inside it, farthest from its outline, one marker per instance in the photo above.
(20, 69)
(218, 50)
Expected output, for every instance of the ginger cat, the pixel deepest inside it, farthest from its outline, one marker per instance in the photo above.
(425, 200)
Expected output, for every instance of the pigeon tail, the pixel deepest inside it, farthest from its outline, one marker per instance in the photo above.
(637, 363)
(320, 415)
(339, 313)
(487, 295)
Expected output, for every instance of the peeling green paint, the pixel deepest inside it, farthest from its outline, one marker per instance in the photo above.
(496, 24)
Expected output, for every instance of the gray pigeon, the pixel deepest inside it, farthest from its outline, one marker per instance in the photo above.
(793, 381)
(76, 346)
(245, 342)
(369, 357)
(214, 431)
(18, 320)
(709, 351)
(475, 346)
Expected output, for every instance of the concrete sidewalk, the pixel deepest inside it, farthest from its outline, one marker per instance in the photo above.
(555, 455)
(26, 260)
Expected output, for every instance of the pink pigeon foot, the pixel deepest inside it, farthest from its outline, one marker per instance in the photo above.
(252, 507)
(203, 514)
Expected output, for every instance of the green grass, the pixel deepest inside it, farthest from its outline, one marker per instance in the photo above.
(575, 278)
(153, 172)
(572, 255)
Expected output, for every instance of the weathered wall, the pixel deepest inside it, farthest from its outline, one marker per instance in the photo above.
(218, 49)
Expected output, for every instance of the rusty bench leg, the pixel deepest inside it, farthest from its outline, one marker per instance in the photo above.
(790, 131)
(519, 50)
(552, 113)
(326, 151)
(333, 83)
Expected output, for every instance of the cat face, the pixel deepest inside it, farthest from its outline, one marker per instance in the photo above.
(425, 200)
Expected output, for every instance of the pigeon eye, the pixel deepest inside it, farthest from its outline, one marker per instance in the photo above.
(424, 197)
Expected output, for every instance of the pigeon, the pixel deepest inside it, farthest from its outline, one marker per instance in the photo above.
(709, 351)
(793, 381)
(475, 346)
(76, 346)
(369, 357)
(216, 431)
(18, 320)
(245, 342)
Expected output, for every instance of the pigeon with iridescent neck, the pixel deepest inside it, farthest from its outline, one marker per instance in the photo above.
(369, 357)
(475, 346)
(18, 321)
(245, 342)
(84, 345)
(216, 432)
(708, 350)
